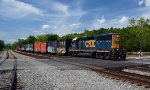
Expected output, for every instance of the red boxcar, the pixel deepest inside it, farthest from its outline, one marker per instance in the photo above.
(43, 48)
(37, 46)
(40, 47)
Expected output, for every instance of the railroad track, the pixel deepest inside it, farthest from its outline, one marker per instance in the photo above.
(133, 78)
(53, 55)
(113, 73)
(8, 77)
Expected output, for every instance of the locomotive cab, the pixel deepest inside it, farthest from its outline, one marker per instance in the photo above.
(117, 49)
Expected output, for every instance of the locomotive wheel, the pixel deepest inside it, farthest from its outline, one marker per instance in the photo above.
(107, 56)
(123, 57)
(69, 53)
(97, 55)
(101, 56)
(76, 53)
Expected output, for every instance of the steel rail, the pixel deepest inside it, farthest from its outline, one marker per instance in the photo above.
(14, 77)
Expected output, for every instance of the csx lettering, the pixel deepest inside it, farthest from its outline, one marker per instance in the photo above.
(90, 43)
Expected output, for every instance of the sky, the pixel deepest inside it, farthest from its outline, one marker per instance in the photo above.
(21, 18)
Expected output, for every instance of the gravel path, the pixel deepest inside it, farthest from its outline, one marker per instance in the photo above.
(35, 75)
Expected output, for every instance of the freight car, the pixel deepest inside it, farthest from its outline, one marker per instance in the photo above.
(103, 46)
(40, 47)
(52, 47)
(29, 47)
(23, 48)
(59, 46)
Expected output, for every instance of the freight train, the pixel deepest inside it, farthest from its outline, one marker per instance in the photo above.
(103, 46)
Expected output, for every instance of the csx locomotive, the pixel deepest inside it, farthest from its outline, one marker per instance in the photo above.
(103, 46)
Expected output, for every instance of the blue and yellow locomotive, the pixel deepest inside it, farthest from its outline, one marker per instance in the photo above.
(103, 46)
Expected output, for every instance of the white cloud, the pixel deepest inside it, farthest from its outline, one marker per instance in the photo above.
(42, 29)
(124, 19)
(45, 27)
(97, 23)
(74, 24)
(103, 23)
(23, 38)
(17, 9)
(147, 3)
(141, 2)
(63, 10)
(41, 33)
(146, 14)
(60, 30)
(146, 10)
(66, 29)
(64, 19)
(11, 40)
(61, 20)
(60, 7)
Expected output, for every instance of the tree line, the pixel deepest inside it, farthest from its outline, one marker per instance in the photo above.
(134, 36)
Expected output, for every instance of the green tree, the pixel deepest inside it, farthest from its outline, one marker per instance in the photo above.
(2, 45)
(8, 46)
(22, 41)
(31, 39)
(47, 37)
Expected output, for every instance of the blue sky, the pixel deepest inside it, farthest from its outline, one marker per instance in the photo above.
(21, 18)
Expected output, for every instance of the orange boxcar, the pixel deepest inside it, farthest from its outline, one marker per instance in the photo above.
(37, 46)
(43, 48)
(40, 47)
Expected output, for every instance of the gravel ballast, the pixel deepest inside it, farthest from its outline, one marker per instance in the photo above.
(137, 72)
(35, 75)
(3, 55)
